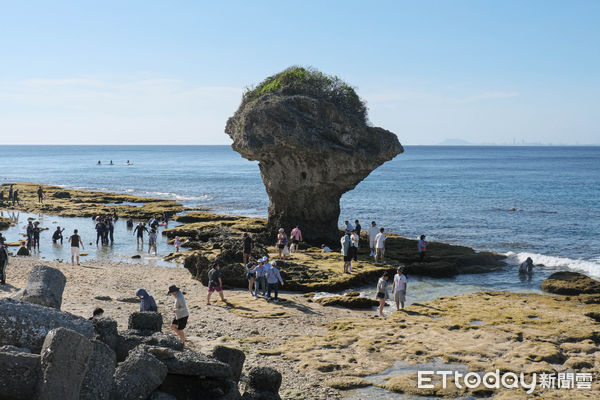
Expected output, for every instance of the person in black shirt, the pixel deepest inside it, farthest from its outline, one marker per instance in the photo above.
(139, 229)
(75, 241)
(57, 235)
(40, 193)
(215, 283)
(248, 247)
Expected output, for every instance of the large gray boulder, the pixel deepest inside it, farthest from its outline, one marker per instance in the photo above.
(200, 388)
(20, 375)
(130, 339)
(138, 376)
(64, 359)
(106, 331)
(263, 384)
(234, 357)
(44, 286)
(197, 364)
(98, 380)
(310, 135)
(26, 325)
(146, 321)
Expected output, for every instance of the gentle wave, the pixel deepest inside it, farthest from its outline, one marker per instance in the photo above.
(591, 268)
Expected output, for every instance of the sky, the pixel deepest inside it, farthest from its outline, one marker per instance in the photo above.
(157, 72)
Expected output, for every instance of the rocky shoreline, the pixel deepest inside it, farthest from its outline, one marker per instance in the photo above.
(323, 348)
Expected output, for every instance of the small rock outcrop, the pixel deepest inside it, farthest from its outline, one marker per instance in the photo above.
(310, 134)
(570, 283)
(44, 286)
(149, 322)
(21, 374)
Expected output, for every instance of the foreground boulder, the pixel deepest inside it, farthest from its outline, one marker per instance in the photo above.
(44, 286)
(20, 374)
(26, 325)
(64, 359)
(309, 133)
(263, 384)
(234, 357)
(570, 283)
(97, 383)
(138, 377)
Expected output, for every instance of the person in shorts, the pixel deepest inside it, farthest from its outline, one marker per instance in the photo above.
(181, 312)
(380, 247)
(399, 288)
(215, 283)
(296, 236)
(76, 242)
(382, 295)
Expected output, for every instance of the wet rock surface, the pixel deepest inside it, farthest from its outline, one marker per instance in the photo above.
(570, 283)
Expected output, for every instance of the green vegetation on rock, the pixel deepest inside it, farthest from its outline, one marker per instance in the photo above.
(308, 81)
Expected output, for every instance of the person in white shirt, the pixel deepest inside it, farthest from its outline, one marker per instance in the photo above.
(354, 247)
(399, 288)
(379, 246)
(371, 233)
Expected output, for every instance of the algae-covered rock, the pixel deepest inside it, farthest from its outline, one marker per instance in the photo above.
(309, 133)
(570, 283)
(354, 302)
(5, 223)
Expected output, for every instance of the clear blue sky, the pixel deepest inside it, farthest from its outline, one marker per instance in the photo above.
(155, 72)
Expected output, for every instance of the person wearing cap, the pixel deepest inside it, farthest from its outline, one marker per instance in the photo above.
(273, 279)
(181, 312)
(261, 277)
(215, 283)
(399, 288)
(3, 261)
(422, 248)
(296, 236)
(281, 242)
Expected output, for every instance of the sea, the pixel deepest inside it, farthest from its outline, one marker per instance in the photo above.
(539, 202)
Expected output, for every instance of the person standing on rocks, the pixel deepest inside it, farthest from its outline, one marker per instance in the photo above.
(248, 245)
(346, 242)
(16, 197)
(399, 288)
(40, 194)
(281, 242)
(371, 233)
(10, 193)
(349, 227)
(215, 283)
(382, 294)
(139, 229)
(273, 280)
(422, 248)
(357, 228)
(147, 303)
(181, 312)
(380, 247)
(75, 241)
(296, 236)
(3, 262)
(354, 247)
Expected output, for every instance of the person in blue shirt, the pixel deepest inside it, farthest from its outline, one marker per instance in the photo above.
(273, 280)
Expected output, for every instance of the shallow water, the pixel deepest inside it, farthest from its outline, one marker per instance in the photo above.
(123, 249)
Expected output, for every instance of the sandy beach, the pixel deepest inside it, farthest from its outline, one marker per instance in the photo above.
(254, 326)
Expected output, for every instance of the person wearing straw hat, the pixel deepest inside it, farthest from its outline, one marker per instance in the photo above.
(181, 312)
